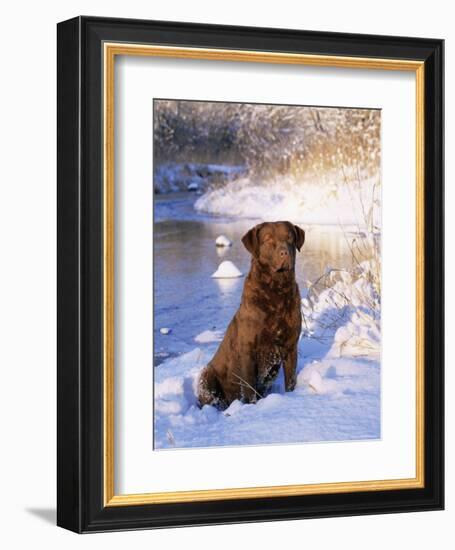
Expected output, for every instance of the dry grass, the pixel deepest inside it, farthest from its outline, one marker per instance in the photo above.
(338, 294)
(270, 140)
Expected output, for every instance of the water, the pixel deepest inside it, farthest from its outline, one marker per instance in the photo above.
(187, 300)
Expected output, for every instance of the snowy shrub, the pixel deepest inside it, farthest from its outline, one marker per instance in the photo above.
(342, 309)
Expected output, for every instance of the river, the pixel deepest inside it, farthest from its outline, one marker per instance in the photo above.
(187, 299)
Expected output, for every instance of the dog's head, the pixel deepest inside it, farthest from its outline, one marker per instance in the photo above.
(274, 245)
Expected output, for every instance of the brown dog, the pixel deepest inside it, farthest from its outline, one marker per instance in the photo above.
(264, 333)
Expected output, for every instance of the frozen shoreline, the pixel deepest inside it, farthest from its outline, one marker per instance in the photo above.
(310, 202)
(228, 191)
(189, 176)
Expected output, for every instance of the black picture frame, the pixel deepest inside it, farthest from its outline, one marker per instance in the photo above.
(80, 476)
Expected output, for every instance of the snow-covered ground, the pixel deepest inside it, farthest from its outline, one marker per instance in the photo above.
(332, 201)
(337, 396)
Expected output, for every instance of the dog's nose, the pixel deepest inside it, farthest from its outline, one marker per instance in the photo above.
(284, 253)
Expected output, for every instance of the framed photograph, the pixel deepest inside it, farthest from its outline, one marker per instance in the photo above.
(250, 274)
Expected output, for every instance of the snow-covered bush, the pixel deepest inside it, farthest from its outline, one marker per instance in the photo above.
(342, 310)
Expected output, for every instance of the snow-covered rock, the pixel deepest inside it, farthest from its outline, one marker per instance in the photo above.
(193, 186)
(227, 270)
(165, 330)
(222, 240)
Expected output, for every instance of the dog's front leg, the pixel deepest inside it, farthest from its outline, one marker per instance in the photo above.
(290, 367)
(246, 378)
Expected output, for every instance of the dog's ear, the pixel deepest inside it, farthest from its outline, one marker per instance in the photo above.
(251, 240)
(299, 237)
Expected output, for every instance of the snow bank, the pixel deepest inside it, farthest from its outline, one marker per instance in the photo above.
(334, 400)
(325, 201)
(337, 396)
(190, 176)
(342, 311)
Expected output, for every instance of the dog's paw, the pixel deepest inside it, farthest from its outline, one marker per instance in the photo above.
(291, 384)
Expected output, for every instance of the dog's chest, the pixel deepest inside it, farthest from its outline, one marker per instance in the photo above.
(280, 327)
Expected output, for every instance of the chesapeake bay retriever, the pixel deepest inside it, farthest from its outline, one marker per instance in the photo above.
(264, 333)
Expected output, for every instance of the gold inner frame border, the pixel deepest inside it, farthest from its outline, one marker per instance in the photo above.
(110, 51)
